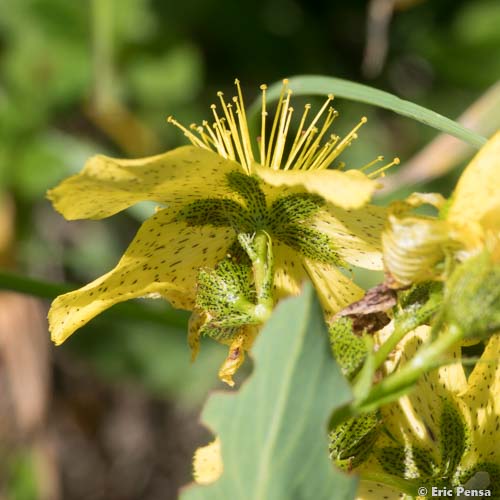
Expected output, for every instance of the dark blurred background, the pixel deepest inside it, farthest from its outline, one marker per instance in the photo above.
(112, 414)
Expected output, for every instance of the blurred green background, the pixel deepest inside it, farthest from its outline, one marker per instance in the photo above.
(113, 413)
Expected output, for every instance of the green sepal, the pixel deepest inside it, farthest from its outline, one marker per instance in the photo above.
(407, 462)
(418, 305)
(227, 295)
(248, 187)
(294, 208)
(352, 441)
(454, 437)
(472, 297)
(349, 350)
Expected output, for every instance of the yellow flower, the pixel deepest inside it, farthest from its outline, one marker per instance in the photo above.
(217, 200)
(443, 434)
(420, 248)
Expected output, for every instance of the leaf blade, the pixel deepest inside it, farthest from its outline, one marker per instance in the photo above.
(273, 431)
(322, 85)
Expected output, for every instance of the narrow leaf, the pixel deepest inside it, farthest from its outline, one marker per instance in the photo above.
(273, 432)
(322, 85)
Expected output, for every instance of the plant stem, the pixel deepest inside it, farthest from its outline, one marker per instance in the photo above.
(388, 346)
(130, 310)
(263, 269)
(260, 251)
(102, 51)
(425, 359)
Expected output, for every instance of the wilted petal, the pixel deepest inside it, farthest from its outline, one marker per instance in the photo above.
(355, 233)
(108, 185)
(241, 343)
(164, 258)
(349, 190)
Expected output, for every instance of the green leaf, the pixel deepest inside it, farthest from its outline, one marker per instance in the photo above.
(322, 85)
(274, 430)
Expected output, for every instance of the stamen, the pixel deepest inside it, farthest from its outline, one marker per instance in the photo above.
(370, 164)
(298, 135)
(275, 122)
(307, 151)
(242, 120)
(312, 126)
(263, 87)
(194, 140)
(201, 132)
(231, 122)
(332, 114)
(319, 156)
(322, 157)
(221, 141)
(381, 171)
(220, 128)
(279, 148)
(229, 135)
(216, 140)
(344, 143)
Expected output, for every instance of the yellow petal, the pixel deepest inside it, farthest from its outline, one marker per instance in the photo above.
(289, 273)
(164, 258)
(483, 399)
(349, 190)
(370, 490)
(334, 290)
(207, 463)
(476, 196)
(415, 418)
(197, 320)
(355, 233)
(108, 185)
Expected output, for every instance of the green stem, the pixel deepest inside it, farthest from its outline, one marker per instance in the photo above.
(263, 269)
(30, 286)
(129, 310)
(259, 249)
(388, 346)
(102, 52)
(425, 359)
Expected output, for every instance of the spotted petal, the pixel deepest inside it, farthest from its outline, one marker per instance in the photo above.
(483, 399)
(371, 490)
(289, 271)
(476, 196)
(164, 258)
(349, 190)
(108, 185)
(415, 419)
(335, 290)
(356, 233)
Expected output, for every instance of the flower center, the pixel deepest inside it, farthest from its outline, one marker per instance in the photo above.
(313, 147)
